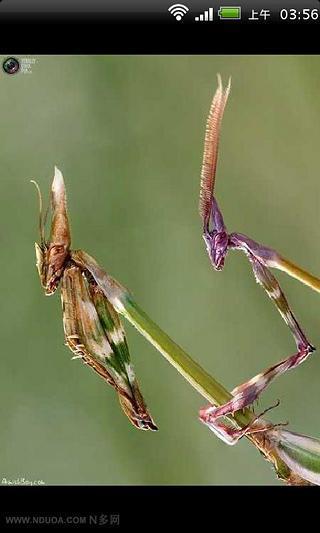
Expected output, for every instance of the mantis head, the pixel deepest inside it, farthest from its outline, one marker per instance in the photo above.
(53, 254)
(217, 247)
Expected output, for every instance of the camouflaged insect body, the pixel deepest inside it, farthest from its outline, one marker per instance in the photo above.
(92, 327)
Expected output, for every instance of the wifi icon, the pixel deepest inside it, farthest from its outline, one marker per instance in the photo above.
(178, 11)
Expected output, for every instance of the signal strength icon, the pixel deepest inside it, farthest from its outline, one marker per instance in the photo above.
(178, 11)
(206, 16)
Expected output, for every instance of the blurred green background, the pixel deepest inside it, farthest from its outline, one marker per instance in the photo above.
(127, 132)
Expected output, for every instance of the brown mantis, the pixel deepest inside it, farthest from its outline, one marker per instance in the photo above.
(218, 241)
(92, 327)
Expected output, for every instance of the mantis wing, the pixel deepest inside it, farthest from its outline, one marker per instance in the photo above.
(94, 333)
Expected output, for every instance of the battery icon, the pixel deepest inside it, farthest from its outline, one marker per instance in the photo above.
(229, 12)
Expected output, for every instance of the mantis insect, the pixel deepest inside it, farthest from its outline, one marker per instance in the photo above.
(91, 303)
(92, 327)
(218, 242)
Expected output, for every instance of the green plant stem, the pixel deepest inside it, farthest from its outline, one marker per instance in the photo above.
(205, 384)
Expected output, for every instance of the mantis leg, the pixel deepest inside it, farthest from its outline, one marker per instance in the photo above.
(259, 256)
(271, 258)
(245, 394)
(248, 392)
(229, 434)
